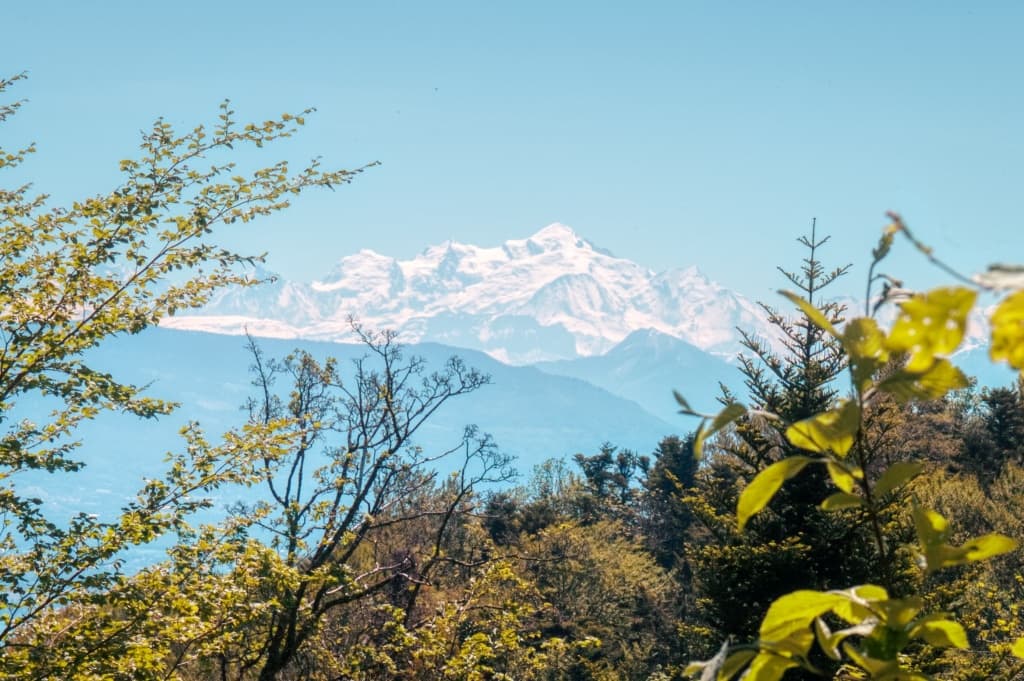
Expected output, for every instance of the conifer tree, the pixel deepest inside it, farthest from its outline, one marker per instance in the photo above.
(795, 545)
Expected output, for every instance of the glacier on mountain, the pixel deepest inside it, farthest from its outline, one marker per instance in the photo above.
(551, 296)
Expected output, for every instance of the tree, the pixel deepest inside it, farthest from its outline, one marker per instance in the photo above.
(667, 517)
(884, 633)
(795, 544)
(610, 480)
(72, 278)
(350, 481)
(994, 432)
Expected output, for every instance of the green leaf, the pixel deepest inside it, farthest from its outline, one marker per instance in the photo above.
(730, 413)
(685, 407)
(1008, 331)
(763, 487)
(768, 667)
(824, 636)
(794, 612)
(843, 475)
(941, 632)
(829, 641)
(878, 669)
(931, 527)
(858, 602)
(896, 475)
(899, 612)
(734, 663)
(988, 546)
(841, 500)
(931, 384)
(864, 343)
(930, 324)
(833, 430)
(812, 313)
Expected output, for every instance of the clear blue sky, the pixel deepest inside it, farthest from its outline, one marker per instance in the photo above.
(671, 133)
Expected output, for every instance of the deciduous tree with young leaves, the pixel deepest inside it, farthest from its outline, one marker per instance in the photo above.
(71, 278)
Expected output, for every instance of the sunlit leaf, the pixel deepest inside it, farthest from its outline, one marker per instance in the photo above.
(931, 527)
(899, 612)
(1008, 331)
(896, 475)
(930, 324)
(864, 343)
(730, 413)
(812, 313)
(763, 487)
(931, 384)
(875, 667)
(768, 667)
(841, 500)
(858, 602)
(988, 546)
(833, 430)
(843, 475)
(795, 611)
(734, 663)
(829, 641)
(1017, 649)
(940, 632)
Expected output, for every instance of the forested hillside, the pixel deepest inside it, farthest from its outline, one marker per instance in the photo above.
(852, 513)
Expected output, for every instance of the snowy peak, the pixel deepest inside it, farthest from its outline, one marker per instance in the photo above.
(552, 295)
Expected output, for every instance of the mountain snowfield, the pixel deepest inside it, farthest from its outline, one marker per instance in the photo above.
(551, 296)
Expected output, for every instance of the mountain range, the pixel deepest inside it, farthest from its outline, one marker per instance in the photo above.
(552, 296)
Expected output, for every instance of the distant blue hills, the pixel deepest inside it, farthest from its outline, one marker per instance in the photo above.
(532, 414)
(548, 410)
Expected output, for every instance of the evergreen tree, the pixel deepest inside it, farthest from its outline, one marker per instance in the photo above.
(794, 545)
(667, 517)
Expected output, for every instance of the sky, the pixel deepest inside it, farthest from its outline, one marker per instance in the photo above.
(672, 134)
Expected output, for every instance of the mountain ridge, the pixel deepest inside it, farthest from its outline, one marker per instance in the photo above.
(551, 296)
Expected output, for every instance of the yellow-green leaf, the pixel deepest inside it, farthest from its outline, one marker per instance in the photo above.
(684, 406)
(864, 343)
(843, 475)
(829, 641)
(734, 663)
(930, 324)
(878, 669)
(824, 636)
(794, 612)
(1008, 331)
(896, 475)
(931, 527)
(833, 430)
(841, 500)
(812, 313)
(730, 413)
(763, 487)
(941, 632)
(1018, 648)
(768, 667)
(899, 612)
(931, 384)
(988, 546)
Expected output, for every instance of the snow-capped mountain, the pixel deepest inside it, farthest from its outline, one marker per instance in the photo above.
(551, 296)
